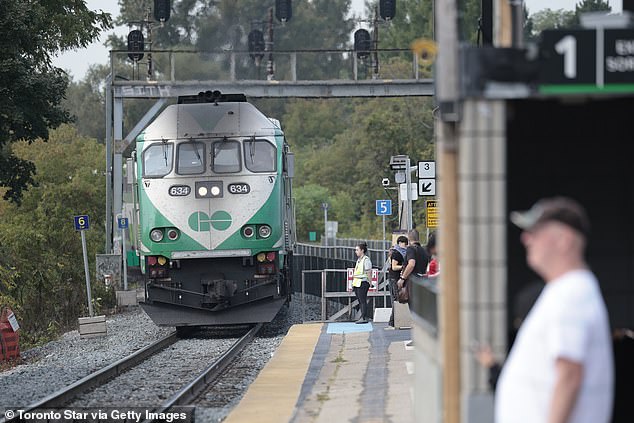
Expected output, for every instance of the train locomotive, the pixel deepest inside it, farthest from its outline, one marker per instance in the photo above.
(215, 214)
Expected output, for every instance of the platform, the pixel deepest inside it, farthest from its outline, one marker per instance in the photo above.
(334, 372)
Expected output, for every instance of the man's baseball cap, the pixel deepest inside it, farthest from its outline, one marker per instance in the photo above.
(560, 209)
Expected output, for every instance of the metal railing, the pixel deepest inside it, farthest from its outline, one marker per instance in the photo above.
(287, 65)
(378, 256)
(424, 304)
(382, 291)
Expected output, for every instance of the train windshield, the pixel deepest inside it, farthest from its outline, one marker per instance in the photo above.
(191, 158)
(260, 156)
(157, 160)
(226, 157)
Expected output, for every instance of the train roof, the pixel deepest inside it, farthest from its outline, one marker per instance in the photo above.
(215, 119)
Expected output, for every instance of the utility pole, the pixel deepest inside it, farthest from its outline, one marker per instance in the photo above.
(270, 69)
(375, 35)
(447, 96)
(408, 198)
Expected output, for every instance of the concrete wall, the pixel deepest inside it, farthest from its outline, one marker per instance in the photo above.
(428, 370)
(482, 255)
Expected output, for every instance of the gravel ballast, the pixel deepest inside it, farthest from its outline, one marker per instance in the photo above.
(51, 367)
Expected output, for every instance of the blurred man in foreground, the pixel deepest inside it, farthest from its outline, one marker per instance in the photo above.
(560, 368)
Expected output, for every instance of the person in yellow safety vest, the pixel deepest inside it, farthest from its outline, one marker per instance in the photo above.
(361, 279)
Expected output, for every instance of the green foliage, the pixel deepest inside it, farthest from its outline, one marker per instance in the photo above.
(31, 89)
(551, 19)
(41, 252)
(348, 159)
(87, 103)
(589, 6)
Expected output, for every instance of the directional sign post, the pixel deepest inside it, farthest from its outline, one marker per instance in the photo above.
(426, 179)
(427, 187)
(82, 224)
(123, 225)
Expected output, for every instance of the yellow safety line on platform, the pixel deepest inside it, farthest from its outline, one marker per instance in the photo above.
(273, 395)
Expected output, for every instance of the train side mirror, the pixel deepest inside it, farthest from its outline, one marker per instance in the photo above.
(290, 164)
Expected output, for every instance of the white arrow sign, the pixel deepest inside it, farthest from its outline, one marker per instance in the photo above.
(427, 187)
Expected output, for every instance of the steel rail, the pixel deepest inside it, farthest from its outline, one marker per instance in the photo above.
(63, 396)
(190, 391)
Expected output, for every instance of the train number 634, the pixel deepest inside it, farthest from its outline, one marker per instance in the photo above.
(179, 190)
(239, 188)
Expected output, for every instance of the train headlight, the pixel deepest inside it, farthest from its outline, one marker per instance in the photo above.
(264, 231)
(270, 256)
(156, 235)
(172, 234)
(261, 257)
(248, 232)
(209, 189)
(162, 260)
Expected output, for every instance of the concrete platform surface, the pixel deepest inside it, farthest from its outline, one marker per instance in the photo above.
(332, 373)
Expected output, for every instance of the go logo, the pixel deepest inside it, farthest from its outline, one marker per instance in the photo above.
(201, 222)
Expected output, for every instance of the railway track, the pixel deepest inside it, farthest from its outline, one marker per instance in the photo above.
(183, 396)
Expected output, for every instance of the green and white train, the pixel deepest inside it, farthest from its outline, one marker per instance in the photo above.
(215, 213)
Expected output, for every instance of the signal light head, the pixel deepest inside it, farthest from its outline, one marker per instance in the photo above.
(136, 45)
(162, 10)
(283, 10)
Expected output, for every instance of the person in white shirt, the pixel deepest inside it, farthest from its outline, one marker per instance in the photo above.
(560, 368)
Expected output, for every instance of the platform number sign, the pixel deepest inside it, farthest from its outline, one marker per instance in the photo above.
(122, 222)
(82, 222)
(568, 57)
(586, 60)
(383, 207)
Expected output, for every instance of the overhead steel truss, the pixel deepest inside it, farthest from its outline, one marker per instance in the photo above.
(162, 90)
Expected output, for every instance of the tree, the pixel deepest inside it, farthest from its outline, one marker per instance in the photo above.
(86, 102)
(31, 88)
(41, 267)
(224, 25)
(551, 19)
(585, 6)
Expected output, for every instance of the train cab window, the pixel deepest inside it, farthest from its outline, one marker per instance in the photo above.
(157, 160)
(190, 158)
(226, 157)
(260, 156)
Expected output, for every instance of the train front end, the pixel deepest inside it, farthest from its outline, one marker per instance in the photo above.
(215, 214)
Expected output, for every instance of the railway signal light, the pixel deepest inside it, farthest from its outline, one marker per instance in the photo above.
(362, 43)
(136, 45)
(256, 45)
(283, 10)
(387, 9)
(162, 10)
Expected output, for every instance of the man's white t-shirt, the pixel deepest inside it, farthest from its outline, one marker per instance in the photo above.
(569, 320)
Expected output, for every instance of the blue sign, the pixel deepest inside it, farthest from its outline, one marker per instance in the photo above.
(383, 207)
(123, 222)
(82, 222)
